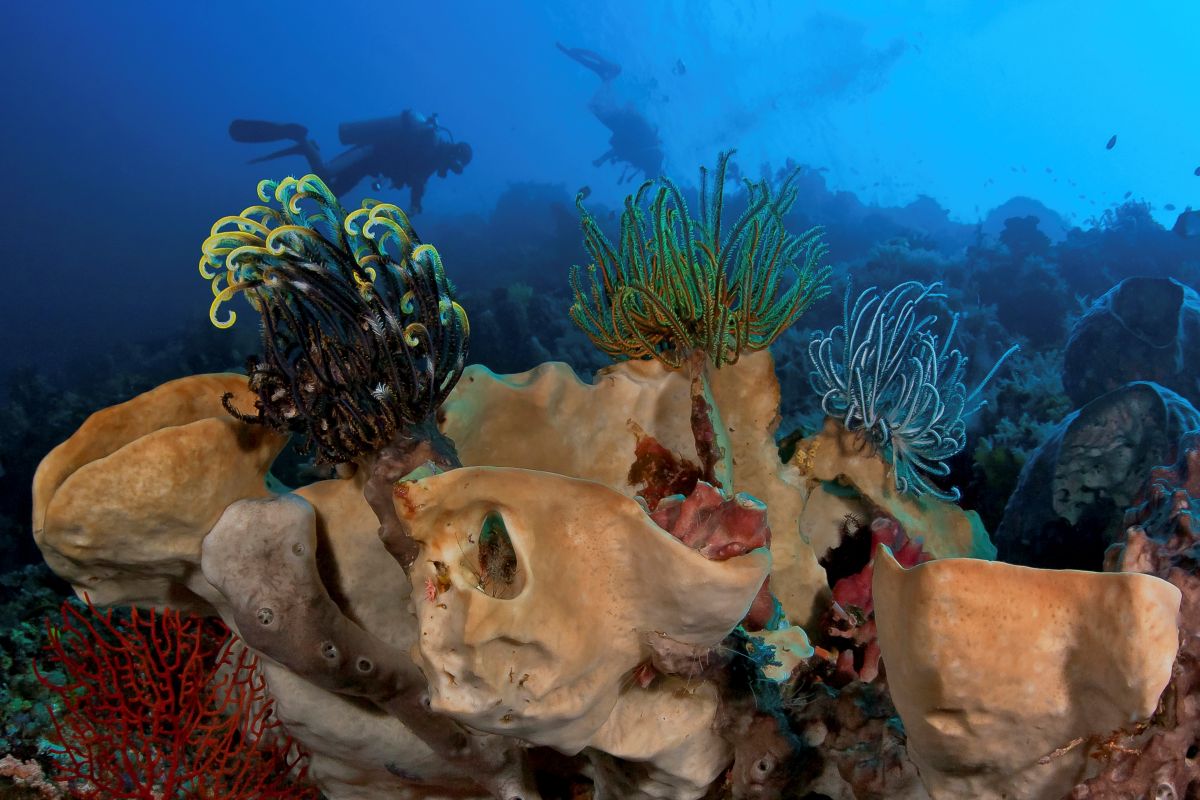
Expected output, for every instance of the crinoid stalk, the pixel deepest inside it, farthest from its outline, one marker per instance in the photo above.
(884, 373)
(676, 284)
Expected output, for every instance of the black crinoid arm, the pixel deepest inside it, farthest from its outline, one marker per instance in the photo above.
(361, 337)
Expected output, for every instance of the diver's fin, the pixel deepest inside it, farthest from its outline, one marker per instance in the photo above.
(256, 130)
(301, 149)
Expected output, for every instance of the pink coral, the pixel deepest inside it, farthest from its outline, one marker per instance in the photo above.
(851, 619)
(29, 775)
(720, 528)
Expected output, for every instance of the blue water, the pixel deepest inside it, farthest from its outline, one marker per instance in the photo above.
(1027, 156)
(117, 158)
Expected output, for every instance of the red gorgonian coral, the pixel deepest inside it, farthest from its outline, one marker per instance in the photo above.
(161, 705)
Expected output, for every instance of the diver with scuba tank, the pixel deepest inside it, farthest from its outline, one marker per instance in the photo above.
(406, 149)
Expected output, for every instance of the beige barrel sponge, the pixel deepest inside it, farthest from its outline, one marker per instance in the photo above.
(661, 742)
(120, 508)
(835, 460)
(548, 419)
(997, 670)
(594, 573)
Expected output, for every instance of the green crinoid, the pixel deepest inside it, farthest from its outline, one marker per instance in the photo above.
(676, 284)
(361, 336)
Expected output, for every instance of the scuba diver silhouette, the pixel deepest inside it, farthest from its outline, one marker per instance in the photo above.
(406, 149)
(634, 140)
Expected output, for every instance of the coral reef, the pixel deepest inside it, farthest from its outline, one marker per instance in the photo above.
(534, 585)
(28, 594)
(27, 780)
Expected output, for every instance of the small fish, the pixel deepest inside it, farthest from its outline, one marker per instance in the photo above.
(584, 193)
(1127, 195)
(377, 185)
(680, 68)
(1048, 170)
(1169, 207)
(1196, 172)
(1111, 143)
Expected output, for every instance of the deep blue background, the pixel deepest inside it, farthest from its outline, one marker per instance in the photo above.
(117, 159)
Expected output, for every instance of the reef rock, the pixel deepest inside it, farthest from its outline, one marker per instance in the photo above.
(1006, 677)
(1143, 329)
(1069, 501)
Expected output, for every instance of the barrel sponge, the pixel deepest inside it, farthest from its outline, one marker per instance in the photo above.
(120, 508)
(1003, 673)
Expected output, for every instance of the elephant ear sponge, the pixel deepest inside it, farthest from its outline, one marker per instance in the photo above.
(361, 334)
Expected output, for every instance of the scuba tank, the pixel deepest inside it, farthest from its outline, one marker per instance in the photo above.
(374, 131)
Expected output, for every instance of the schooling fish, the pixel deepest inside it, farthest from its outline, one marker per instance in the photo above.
(1111, 143)
(1169, 207)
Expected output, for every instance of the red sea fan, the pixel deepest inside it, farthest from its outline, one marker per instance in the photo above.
(162, 706)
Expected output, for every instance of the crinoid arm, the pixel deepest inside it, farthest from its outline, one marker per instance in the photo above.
(361, 335)
(673, 283)
(885, 373)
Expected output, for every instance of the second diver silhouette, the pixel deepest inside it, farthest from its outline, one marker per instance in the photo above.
(634, 141)
(406, 149)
